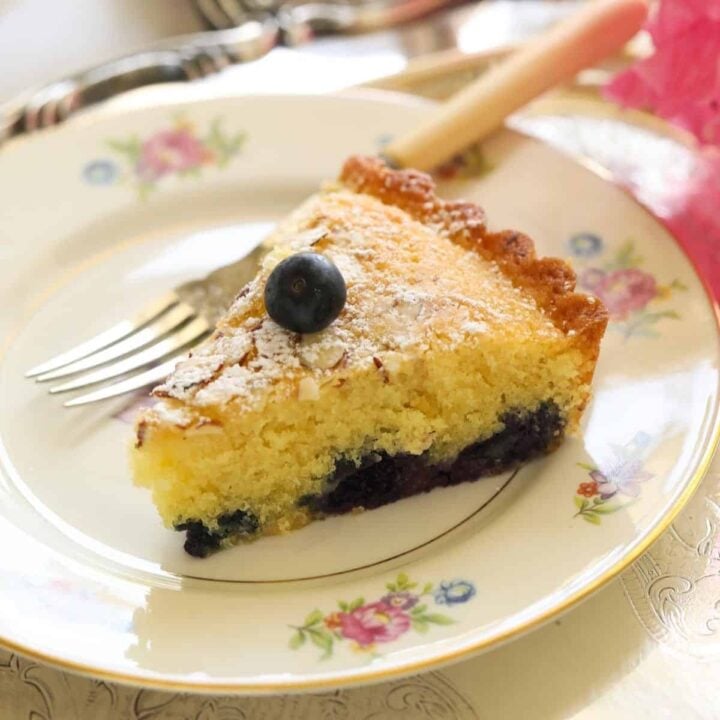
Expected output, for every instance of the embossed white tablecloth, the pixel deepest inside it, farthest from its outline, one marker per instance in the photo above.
(645, 646)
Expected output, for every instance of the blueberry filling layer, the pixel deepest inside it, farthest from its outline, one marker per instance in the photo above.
(381, 479)
(200, 541)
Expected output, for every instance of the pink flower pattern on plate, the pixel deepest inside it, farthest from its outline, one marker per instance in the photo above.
(622, 291)
(630, 293)
(616, 478)
(171, 151)
(179, 150)
(404, 607)
(375, 622)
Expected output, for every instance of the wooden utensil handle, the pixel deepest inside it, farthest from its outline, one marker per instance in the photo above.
(588, 36)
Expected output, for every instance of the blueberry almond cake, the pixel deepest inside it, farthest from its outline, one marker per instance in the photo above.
(389, 344)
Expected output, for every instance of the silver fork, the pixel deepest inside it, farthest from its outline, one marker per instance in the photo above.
(224, 14)
(144, 349)
(247, 32)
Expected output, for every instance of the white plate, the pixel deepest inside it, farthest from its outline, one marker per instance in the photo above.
(100, 216)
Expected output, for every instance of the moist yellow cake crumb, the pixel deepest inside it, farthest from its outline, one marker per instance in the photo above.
(436, 341)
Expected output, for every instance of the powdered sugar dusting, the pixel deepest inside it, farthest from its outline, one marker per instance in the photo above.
(322, 350)
(274, 343)
(235, 381)
(179, 416)
(409, 288)
(273, 355)
(188, 375)
(474, 327)
(348, 265)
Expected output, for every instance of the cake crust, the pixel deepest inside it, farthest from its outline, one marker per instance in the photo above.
(550, 281)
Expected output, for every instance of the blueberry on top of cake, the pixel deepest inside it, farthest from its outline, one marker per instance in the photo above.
(456, 353)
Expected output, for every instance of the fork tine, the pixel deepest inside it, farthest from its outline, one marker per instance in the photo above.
(107, 337)
(141, 380)
(188, 334)
(164, 324)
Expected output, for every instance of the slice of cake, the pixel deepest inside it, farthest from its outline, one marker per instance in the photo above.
(457, 353)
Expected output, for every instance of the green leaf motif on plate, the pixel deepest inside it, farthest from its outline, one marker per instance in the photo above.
(363, 626)
(314, 618)
(634, 298)
(179, 150)
(614, 484)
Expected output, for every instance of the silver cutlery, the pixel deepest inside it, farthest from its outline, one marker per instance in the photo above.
(224, 14)
(249, 32)
(142, 350)
(181, 59)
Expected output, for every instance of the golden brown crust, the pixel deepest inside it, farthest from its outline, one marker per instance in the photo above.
(550, 281)
(140, 432)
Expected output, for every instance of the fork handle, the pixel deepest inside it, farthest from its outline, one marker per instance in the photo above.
(179, 59)
(589, 35)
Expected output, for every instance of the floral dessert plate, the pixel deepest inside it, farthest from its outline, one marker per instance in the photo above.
(103, 214)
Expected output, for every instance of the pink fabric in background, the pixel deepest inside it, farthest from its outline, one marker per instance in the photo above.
(681, 80)
(696, 220)
(681, 83)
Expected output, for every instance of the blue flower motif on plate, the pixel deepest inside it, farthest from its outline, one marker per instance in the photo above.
(100, 172)
(454, 592)
(585, 244)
